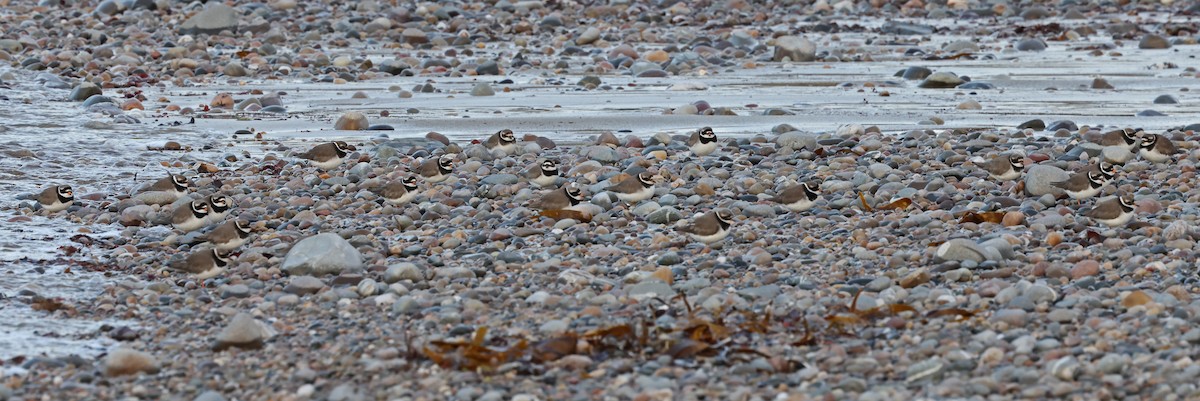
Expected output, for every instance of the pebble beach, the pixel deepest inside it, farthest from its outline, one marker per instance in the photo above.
(916, 274)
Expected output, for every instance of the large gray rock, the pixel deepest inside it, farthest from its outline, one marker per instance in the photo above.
(794, 48)
(403, 271)
(243, 331)
(483, 89)
(1039, 177)
(321, 254)
(1116, 154)
(589, 35)
(941, 79)
(351, 121)
(84, 91)
(215, 18)
(603, 154)
(961, 249)
(304, 285)
(651, 289)
(1153, 41)
(500, 179)
(664, 215)
(127, 361)
(797, 140)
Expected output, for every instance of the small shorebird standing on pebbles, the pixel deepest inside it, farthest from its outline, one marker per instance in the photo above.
(1108, 170)
(1082, 185)
(710, 227)
(56, 198)
(799, 197)
(399, 192)
(543, 174)
(703, 142)
(190, 217)
(436, 170)
(1127, 138)
(218, 207)
(327, 156)
(1113, 212)
(1004, 168)
(174, 185)
(561, 199)
(634, 189)
(228, 236)
(1157, 148)
(504, 140)
(204, 263)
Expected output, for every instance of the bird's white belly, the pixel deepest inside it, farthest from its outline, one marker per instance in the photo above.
(328, 164)
(508, 149)
(1084, 194)
(408, 196)
(545, 180)
(230, 245)
(1154, 156)
(57, 206)
(702, 149)
(1010, 175)
(640, 195)
(711, 238)
(1121, 220)
(210, 273)
(800, 205)
(190, 225)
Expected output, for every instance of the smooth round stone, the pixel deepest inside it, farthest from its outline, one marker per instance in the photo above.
(1150, 113)
(351, 121)
(1040, 177)
(381, 127)
(687, 109)
(1116, 154)
(483, 89)
(962, 46)
(977, 86)
(85, 91)
(1063, 125)
(1035, 124)
(1031, 45)
(488, 68)
(1165, 99)
(274, 109)
(414, 36)
(1152, 41)
(669, 258)
(657, 56)
(914, 73)
(941, 80)
(1101, 83)
(97, 99)
(970, 105)
(234, 69)
(653, 74)
(794, 48)
(590, 80)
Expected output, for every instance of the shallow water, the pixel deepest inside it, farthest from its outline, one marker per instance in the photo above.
(31, 263)
(1051, 85)
(48, 141)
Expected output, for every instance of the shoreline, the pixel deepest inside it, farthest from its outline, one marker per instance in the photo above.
(916, 274)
